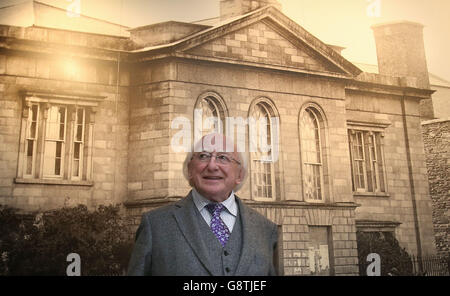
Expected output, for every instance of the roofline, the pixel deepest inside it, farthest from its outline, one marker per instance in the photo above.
(167, 22)
(338, 60)
(87, 16)
(209, 28)
(74, 31)
(17, 4)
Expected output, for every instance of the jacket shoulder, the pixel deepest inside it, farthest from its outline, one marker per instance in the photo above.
(256, 216)
(159, 212)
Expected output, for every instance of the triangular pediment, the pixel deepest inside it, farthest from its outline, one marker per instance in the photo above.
(265, 37)
(260, 43)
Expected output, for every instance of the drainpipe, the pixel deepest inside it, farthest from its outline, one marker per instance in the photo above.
(411, 184)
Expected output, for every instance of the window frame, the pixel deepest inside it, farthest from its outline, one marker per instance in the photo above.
(320, 118)
(259, 166)
(81, 143)
(46, 139)
(44, 102)
(29, 138)
(212, 98)
(372, 135)
(270, 111)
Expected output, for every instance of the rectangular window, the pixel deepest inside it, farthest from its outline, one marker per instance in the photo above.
(56, 140)
(367, 165)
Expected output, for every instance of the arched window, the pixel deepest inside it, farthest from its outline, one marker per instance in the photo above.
(263, 133)
(312, 157)
(209, 114)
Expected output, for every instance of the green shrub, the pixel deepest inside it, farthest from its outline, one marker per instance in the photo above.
(38, 244)
(394, 259)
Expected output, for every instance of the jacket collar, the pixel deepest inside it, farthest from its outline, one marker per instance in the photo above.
(186, 218)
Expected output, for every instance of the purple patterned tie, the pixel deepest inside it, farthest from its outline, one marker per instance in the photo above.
(217, 225)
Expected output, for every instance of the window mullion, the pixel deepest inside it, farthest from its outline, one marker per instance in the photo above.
(70, 142)
(90, 144)
(375, 162)
(43, 140)
(368, 161)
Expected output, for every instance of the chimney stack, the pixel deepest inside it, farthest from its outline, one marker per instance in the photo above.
(401, 51)
(232, 8)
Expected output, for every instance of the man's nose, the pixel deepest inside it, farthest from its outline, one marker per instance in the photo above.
(212, 163)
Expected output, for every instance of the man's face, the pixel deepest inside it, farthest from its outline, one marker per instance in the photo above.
(213, 179)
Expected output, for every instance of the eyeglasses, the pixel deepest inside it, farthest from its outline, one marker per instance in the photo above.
(223, 159)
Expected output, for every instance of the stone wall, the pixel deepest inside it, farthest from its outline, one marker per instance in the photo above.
(43, 69)
(436, 134)
(148, 164)
(155, 169)
(397, 203)
(295, 241)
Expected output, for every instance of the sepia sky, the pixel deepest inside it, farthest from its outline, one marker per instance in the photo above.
(340, 22)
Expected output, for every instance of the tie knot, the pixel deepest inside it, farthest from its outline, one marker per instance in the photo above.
(214, 208)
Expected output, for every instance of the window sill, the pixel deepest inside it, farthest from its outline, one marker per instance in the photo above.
(297, 203)
(264, 199)
(371, 194)
(53, 182)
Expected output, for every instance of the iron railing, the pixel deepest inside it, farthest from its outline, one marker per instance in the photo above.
(431, 265)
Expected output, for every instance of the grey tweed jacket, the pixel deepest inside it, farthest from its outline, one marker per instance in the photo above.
(169, 242)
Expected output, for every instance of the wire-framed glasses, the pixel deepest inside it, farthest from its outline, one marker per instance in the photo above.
(221, 158)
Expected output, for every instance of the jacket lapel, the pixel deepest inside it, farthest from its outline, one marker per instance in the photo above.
(248, 239)
(186, 218)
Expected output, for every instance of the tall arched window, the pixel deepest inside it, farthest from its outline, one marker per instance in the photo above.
(311, 143)
(262, 132)
(209, 114)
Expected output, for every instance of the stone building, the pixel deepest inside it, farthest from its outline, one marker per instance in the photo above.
(88, 118)
(435, 121)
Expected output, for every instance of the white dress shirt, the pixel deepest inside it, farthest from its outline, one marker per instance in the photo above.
(228, 215)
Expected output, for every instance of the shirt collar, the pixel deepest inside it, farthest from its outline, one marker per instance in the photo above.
(200, 202)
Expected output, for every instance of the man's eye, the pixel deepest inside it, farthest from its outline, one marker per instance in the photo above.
(223, 158)
(203, 156)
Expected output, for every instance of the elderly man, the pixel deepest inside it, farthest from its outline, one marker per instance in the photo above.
(210, 231)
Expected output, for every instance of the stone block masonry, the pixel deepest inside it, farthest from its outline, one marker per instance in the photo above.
(436, 135)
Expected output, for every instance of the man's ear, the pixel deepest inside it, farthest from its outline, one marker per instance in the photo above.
(241, 176)
(189, 175)
(189, 170)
